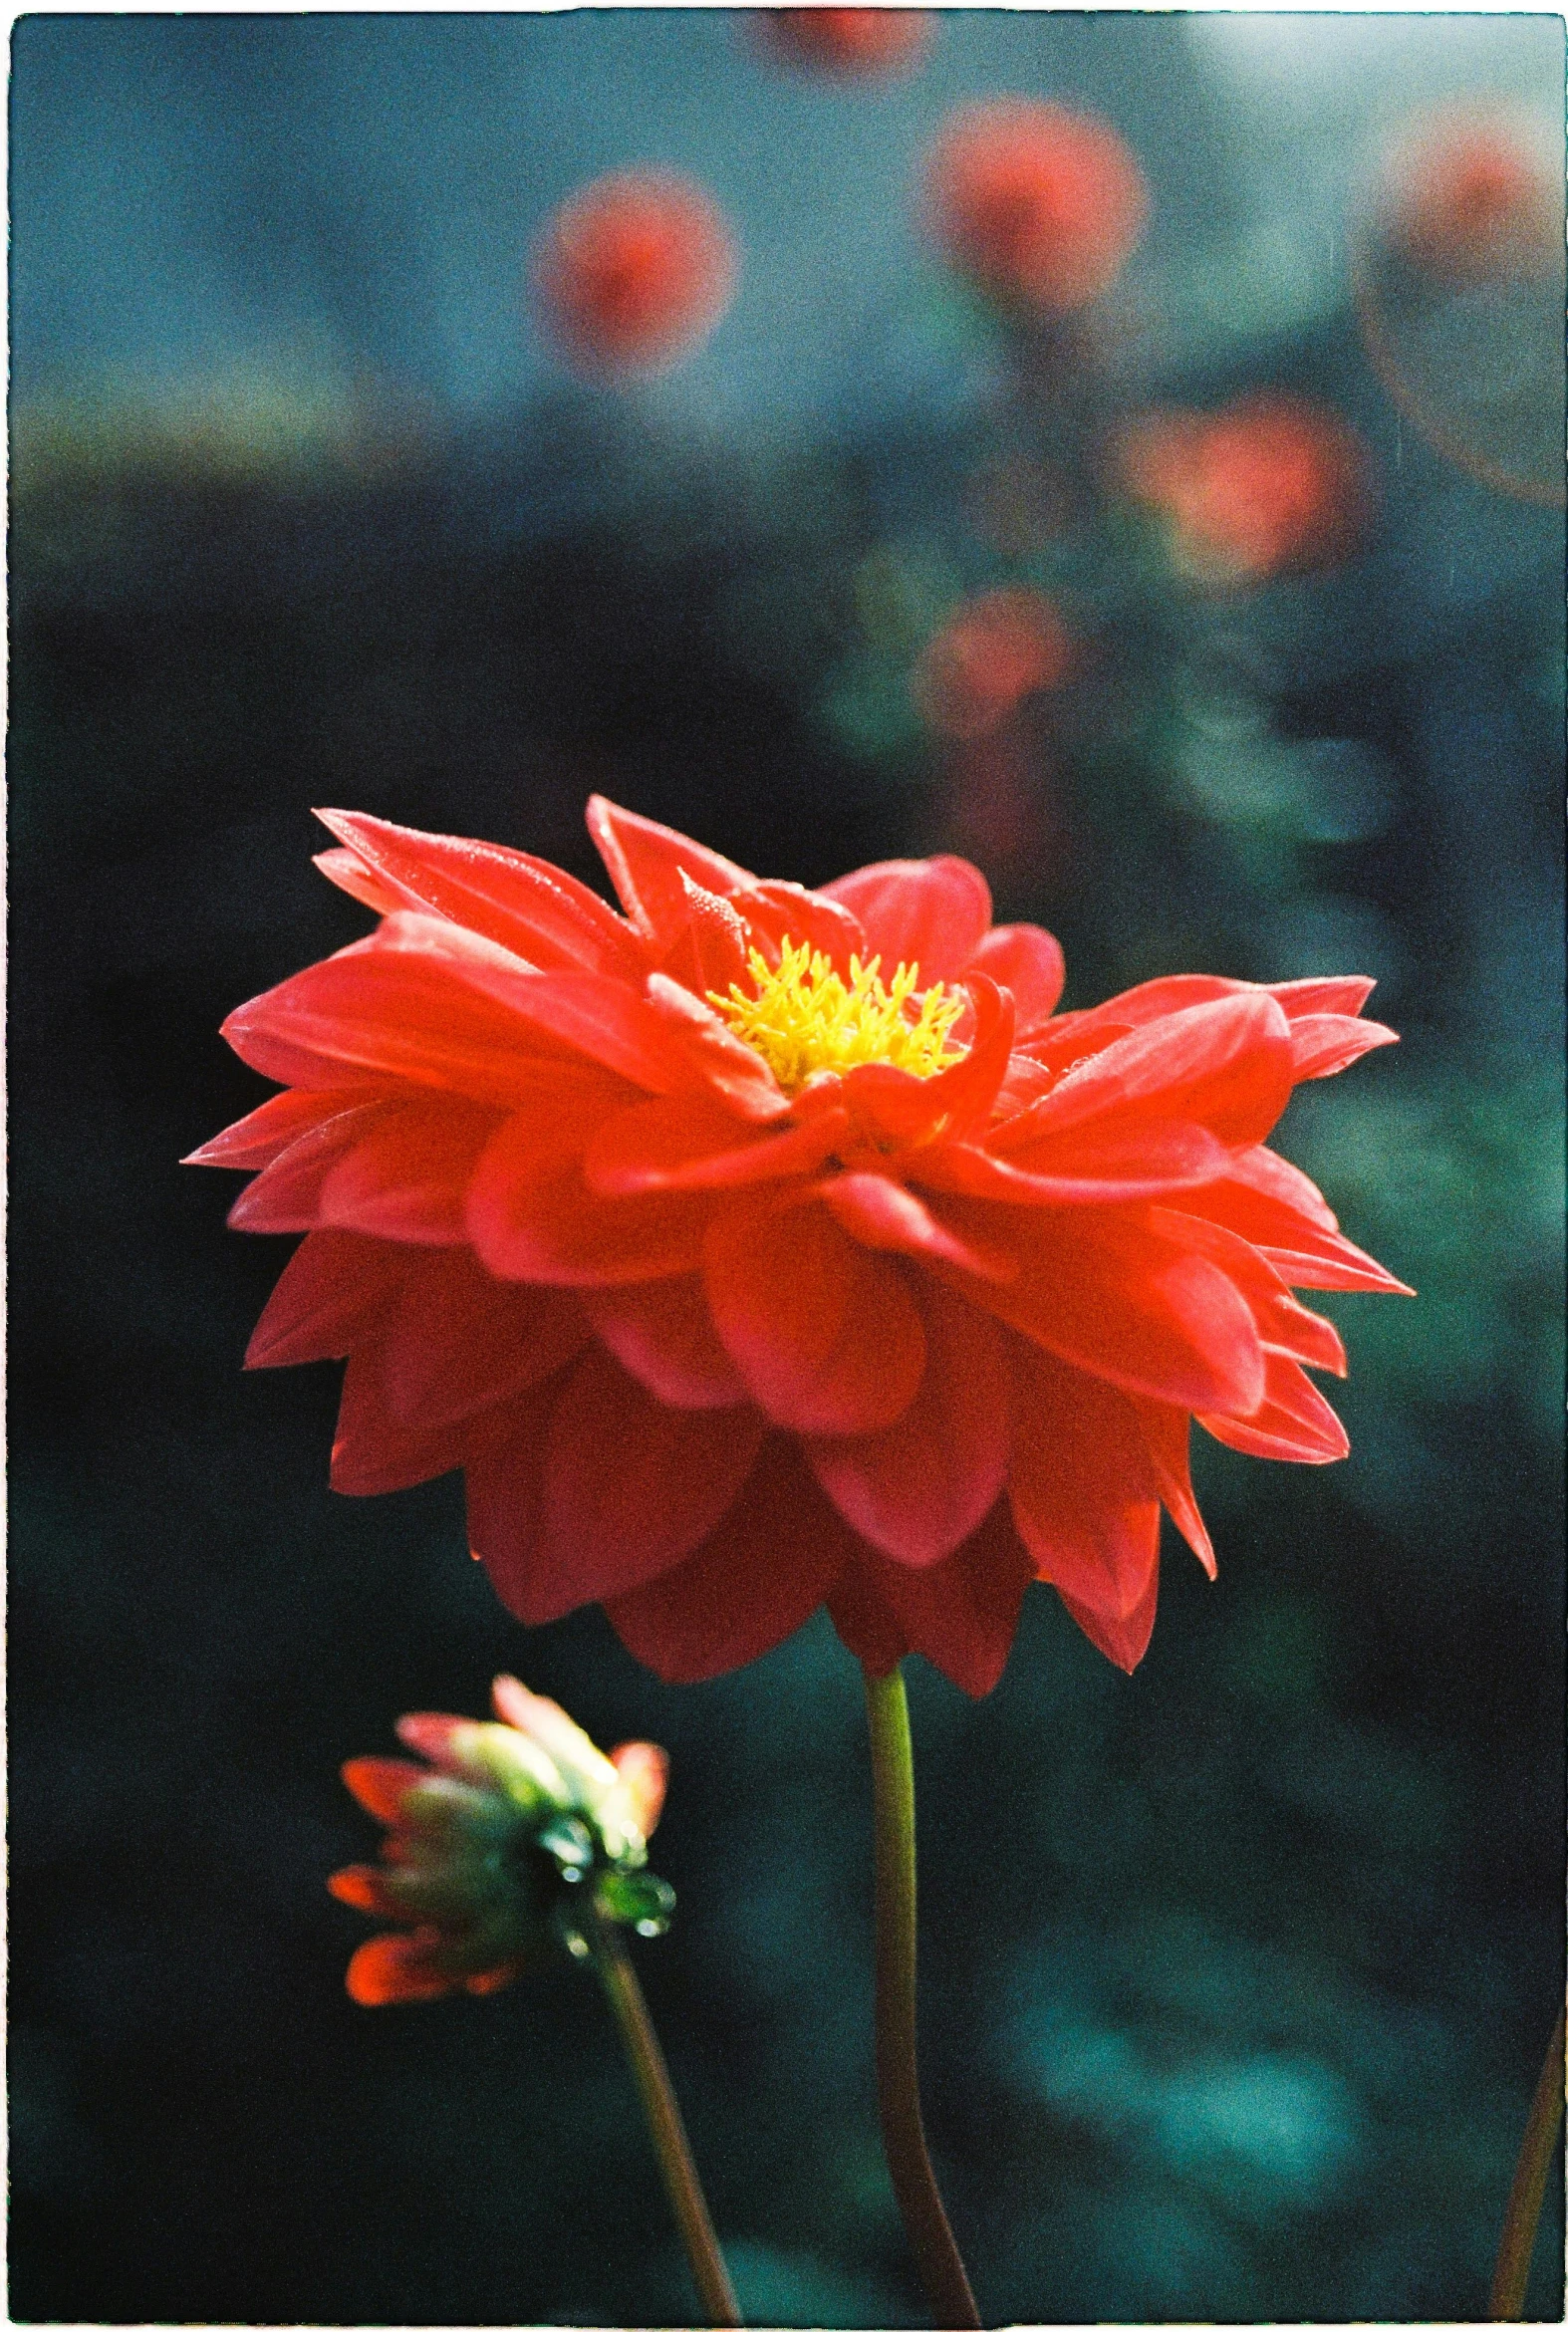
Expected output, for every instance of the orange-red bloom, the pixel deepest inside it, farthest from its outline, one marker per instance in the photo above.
(739, 1279)
(1273, 484)
(862, 42)
(995, 651)
(634, 272)
(1468, 200)
(1037, 205)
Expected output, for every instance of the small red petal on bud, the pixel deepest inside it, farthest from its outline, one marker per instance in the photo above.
(645, 1769)
(382, 1783)
(397, 1967)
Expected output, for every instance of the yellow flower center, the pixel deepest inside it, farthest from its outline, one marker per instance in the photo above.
(803, 1019)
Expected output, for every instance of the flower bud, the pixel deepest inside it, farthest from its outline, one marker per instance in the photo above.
(508, 1838)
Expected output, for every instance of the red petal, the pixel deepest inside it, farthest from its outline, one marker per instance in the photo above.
(777, 912)
(645, 1769)
(762, 1574)
(1123, 1641)
(257, 1140)
(373, 1452)
(714, 1056)
(1166, 1433)
(961, 1615)
(629, 1486)
(1084, 1494)
(932, 913)
(456, 1341)
(1281, 1321)
(826, 1333)
(645, 862)
(1292, 1421)
(286, 1195)
(1323, 1043)
(918, 1489)
(710, 954)
(1301, 997)
(662, 1333)
(398, 1968)
(382, 1783)
(1029, 961)
(406, 1174)
(431, 1002)
(896, 1108)
(504, 1487)
(365, 1887)
(1115, 1295)
(1277, 1210)
(333, 1287)
(351, 873)
(681, 1142)
(880, 1213)
(431, 1734)
(524, 903)
(1097, 1166)
(1225, 1066)
(532, 1216)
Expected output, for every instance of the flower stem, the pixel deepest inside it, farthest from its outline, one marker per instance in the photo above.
(897, 2081)
(1522, 2216)
(665, 2127)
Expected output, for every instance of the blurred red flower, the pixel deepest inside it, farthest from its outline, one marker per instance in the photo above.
(1467, 198)
(1272, 484)
(862, 42)
(634, 272)
(1035, 203)
(738, 1281)
(995, 651)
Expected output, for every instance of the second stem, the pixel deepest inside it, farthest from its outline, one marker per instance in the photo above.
(897, 2081)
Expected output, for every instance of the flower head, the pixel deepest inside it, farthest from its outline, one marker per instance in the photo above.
(995, 651)
(1273, 484)
(863, 43)
(1468, 199)
(507, 1838)
(740, 1279)
(634, 272)
(1037, 205)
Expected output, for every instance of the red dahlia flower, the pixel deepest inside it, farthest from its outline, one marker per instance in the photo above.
(634, 272)
(1037, 205)
(860, 43)
(738, 1280)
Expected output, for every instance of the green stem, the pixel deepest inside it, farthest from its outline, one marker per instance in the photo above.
(897, 2081)
(665, 2127)
(1522, 2216)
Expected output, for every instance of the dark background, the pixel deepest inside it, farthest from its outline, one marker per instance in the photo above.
(1237, 1975)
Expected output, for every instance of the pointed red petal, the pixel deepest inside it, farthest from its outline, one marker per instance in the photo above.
(333, 1288)
(406, 1175)
(257, 1140)
(681, 1142)
(1324, 1043)
(1166, 1433)
(455, 1341)
(1084, 1494)
(645, 862)
(1292, 1421)
(523, 903)
(372, 1452)
(1122, 1640)
(382, 1783)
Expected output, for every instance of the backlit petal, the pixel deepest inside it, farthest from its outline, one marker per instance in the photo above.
(645, 862)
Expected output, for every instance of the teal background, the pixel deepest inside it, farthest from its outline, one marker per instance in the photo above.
(1237, 1975)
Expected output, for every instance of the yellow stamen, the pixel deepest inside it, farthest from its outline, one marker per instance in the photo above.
(803, 1019)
